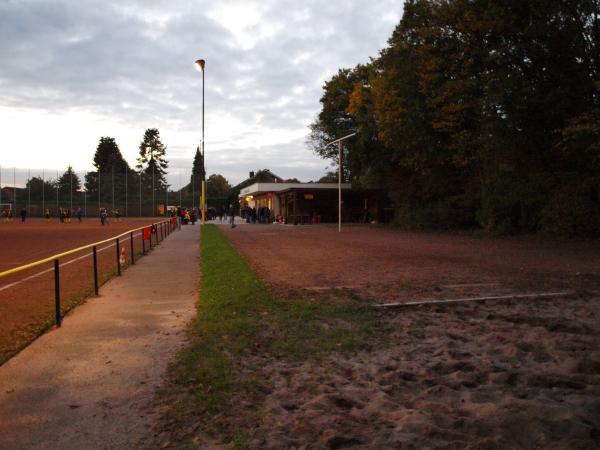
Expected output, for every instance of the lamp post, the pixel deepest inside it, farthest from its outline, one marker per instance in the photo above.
(199, 64)
(339, 143)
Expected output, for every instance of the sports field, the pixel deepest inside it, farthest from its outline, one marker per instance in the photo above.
(387, 265)
(511, 373)
(27, 298)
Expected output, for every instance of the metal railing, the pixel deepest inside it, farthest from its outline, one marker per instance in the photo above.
(157, 231)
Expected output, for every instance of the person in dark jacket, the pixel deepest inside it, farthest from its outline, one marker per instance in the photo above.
(231, 214)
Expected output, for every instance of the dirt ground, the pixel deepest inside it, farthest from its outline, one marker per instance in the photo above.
(27, 298)
(504, 374)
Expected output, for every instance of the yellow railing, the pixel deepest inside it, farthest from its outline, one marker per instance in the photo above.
(165, 230)
(70, 252)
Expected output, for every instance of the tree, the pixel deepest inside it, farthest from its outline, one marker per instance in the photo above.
(109, 162)
(217, 190)
(198, 171)
(477, 113)
(151, 162)
(69, 184)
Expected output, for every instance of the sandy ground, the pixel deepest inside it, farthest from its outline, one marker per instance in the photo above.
(87, 385)
(522, 374)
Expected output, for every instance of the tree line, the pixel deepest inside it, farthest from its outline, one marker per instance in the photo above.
(114, 182)
(478, 113)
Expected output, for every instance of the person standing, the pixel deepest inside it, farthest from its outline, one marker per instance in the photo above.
(79, 214)
(231, 214)
(23, 214)
(103, 216)
(47, 215)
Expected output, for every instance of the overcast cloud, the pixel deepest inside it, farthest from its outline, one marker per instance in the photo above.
(73, 71)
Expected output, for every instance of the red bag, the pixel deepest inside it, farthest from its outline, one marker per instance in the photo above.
(146, 233)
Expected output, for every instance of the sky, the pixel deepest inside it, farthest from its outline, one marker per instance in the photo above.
(73, 71)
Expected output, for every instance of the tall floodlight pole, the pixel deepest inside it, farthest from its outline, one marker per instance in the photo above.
(44, 192)
(71, 191)
(200, 64)
(339, 142)
(29, 192)
(57, 187)
(15, 189)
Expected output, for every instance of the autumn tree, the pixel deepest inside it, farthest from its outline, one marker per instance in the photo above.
(477, 113)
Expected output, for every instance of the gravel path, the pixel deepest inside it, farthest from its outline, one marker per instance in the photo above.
(89, 384)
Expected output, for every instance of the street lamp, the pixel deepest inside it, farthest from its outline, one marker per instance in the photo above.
(339, 143)
(199, 65)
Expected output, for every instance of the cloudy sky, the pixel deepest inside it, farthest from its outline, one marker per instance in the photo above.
(72, 71)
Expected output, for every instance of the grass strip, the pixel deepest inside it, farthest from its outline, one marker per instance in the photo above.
(241, 329)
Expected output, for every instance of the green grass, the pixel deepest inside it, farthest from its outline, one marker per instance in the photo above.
(239, 330)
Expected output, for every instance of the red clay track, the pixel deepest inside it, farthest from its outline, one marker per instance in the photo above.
(26, 307)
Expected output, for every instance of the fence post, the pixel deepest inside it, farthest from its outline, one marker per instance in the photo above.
(118, 257)
(143, 243)
(162, 235)
(57, 293)
(131, 241)
(94, 252)
(150, 238)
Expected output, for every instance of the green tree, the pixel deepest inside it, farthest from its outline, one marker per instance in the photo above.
(108, 162)
(476, 112)
(217, 190)
(198, 171)
(151, 161)
(69, 184)
(40, 189)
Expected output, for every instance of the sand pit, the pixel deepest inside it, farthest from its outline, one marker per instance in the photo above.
(507, 374)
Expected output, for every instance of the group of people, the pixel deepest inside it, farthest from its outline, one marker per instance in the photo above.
(104, 215)
(253, 215)
(184, 215)
(64, 214)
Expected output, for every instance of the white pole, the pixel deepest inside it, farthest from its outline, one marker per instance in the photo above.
(44, 192)
(153, 208)
(71, 190)
(15, 190)
(57, 188)
(29, 192)
(340, 156)
(85, 197)
(112, 182)
(340, 188)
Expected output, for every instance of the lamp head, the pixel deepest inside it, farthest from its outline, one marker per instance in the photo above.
(199, 65)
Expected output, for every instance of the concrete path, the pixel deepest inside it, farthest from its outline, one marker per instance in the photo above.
(88, 385)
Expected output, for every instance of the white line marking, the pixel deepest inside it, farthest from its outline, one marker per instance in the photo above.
(476, 299)
(79, 258)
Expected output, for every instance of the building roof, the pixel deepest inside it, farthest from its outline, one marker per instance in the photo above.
(263, 188)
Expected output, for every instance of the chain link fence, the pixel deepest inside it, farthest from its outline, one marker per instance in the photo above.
(42, 192)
